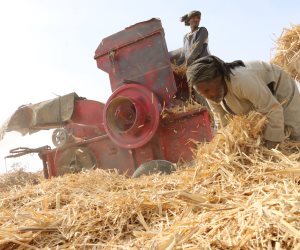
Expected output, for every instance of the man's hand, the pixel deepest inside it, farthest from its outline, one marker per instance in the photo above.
(271, 144)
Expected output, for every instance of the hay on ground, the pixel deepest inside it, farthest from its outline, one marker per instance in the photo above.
(239, 195)
(19, 178)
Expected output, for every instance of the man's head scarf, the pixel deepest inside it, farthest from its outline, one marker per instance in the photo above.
(209, 67)
(186, 18)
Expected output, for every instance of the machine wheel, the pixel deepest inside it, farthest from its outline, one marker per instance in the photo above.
(76, 159)
(60, 137)
(154, 167)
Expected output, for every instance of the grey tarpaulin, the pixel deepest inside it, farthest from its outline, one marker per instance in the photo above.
(44, 115)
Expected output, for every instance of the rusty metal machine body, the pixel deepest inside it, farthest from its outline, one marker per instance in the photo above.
(130, 129)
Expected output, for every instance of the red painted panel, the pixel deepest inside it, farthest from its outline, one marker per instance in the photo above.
(176, 135)
(139, 54)
(87, 119)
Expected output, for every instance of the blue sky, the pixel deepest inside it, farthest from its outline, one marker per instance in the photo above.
(47, 46)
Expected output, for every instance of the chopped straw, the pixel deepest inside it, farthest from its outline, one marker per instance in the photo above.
(187, 106)
(19, 178)
(180, 70)
(239, 195)
(287, 54)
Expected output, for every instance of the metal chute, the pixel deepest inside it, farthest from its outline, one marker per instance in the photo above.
(45, 115)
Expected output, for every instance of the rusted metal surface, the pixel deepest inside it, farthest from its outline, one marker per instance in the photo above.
(179, 133)
(106, 153)
(138, 54)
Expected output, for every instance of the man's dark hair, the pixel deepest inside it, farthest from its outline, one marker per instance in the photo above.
(186, 18)
(209, 67)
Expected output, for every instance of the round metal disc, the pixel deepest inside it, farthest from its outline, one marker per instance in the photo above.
(154, 167)
(75, 159)
(60, 137)
(149, 103)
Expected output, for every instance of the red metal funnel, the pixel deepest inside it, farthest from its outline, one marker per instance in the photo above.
(131, 116)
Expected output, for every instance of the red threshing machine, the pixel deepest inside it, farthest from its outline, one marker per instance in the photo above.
(129, 129)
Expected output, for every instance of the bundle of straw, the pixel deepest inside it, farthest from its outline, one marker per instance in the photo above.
(288, 51)
(19, 178)
(183, 107)
(239, 195)
(180, 70)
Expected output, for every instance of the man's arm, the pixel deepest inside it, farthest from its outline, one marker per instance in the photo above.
(198, 45)
(255, 91)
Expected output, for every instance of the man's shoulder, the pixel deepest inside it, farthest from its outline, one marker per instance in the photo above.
(202, 29)
(242, 76)
(250, 67)
(246, 78)
(256, 64)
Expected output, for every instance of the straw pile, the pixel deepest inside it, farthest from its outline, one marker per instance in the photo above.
(19, 178)
(183, 107)
(239, 195)
(180, 70)
(288, 51)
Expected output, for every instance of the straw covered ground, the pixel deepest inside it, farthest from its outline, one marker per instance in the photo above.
(239, 195)
(19, 178)
(287, 54)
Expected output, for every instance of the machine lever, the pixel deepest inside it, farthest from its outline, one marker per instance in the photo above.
(20, 151)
